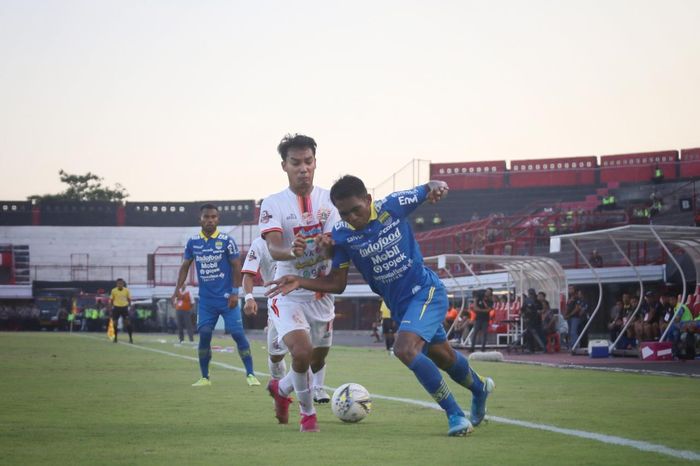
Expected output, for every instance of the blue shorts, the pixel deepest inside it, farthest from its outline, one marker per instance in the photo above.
(209, 311)
(426, 313)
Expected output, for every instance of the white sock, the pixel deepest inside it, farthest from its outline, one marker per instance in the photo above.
(319, 378)
(277, 369)
(301, 387)
(286, 384)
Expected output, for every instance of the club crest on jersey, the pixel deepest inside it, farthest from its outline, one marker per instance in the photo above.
(265, 216)
(307, 217)
(323, 214)
(219, 245)
(251, 255)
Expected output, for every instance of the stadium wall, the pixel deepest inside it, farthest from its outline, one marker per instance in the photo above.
(103, 253)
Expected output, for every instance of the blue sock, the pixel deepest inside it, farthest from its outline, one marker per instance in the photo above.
(464, 375)
(244, 351)
(204, 352)
(429, 376)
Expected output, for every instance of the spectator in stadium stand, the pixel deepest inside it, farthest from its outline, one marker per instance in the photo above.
(483, 303)
(437, 220)
(183, 310)
(646, 326)
(596, 259)
(656, 203)
(658, 174)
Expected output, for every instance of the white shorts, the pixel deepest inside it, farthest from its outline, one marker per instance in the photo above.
(275, 345)
(287, 315)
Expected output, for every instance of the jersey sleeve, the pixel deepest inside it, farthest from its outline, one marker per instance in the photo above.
(270, 217)
(341, 259)
(232, 249)
(333, 219)
(401, 203)
(252, 259)
(189, 255)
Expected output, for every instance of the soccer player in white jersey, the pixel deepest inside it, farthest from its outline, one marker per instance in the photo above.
(296, 224)
(257, 260)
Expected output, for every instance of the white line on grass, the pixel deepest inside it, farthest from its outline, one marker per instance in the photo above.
(609, 439)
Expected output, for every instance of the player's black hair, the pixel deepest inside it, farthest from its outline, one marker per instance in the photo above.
(208, 206)
(295, 141)
(347, 186)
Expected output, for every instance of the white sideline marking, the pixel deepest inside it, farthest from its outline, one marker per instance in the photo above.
(603, 438)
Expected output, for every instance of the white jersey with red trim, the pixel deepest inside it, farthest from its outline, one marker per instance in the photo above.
(310, 216)
(259, 259)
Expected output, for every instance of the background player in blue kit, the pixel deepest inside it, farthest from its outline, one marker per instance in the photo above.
(216, 258)
(377, 238)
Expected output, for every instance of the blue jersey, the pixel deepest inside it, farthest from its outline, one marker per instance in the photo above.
(212, 257)
(386, 252)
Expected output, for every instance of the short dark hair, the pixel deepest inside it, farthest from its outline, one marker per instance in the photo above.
(295, 141)
(347, 186)
(120, 280)
(208, 206)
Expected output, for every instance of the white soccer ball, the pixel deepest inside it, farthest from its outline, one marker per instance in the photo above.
(351, 402)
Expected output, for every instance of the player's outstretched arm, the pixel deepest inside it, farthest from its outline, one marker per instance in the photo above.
(250, 307)
(438, 190)
(334, 282)
(279, 252)
(181, 277)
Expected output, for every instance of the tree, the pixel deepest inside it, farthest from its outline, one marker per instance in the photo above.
(86, 187)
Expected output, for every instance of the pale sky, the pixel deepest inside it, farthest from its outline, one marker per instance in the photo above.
(187, 100)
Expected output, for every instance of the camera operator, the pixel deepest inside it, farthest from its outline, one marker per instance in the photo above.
(532, 322)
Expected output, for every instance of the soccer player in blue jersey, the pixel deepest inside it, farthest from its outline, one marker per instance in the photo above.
(377, 238)
(216, 259)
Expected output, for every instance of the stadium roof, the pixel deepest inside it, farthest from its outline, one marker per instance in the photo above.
(685, 238)
(523, 272)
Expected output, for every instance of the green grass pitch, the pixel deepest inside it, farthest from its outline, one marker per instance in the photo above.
(75, 399)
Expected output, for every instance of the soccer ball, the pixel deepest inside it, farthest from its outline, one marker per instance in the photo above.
(351, 402)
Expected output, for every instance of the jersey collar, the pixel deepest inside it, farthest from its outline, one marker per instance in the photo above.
(372, 215)
(213, 235)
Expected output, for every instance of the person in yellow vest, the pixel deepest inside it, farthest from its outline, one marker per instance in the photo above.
(387, 327)
(120, 300)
